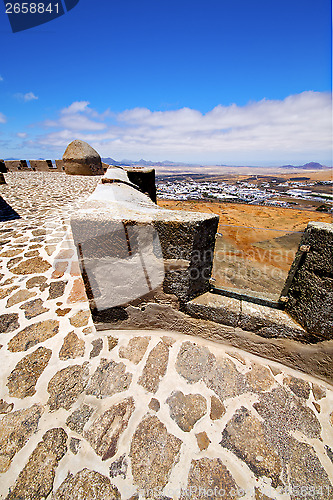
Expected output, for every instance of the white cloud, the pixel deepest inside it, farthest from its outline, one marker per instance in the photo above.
(1, 79)
(75, 107)
(297, 127)
(3, 119)
(29, 96)
(76, 117)
(22, 135)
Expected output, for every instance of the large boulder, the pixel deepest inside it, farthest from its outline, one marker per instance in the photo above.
(81, 159)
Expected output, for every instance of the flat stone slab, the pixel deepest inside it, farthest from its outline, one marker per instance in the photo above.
(262, 320)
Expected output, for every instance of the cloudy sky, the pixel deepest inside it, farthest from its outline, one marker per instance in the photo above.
(214, 82)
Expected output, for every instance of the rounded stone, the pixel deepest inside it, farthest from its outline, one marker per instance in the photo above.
(81, 159)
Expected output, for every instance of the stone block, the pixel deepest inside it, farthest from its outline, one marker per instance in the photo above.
(81, 159)
(270, 323)
(41, 165)
(3, 168)
(13, 165)
(59, 165)
(217, 308)
(310, 280)
(144, 178)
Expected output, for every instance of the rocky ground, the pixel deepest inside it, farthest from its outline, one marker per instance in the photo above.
(134, 414)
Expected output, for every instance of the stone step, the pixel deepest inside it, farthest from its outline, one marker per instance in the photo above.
(262, 320)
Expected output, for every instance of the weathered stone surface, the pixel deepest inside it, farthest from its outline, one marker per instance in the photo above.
(75, 269)
(217, 308)
(57, 289)
(217, 409)
(59, 269)
(331, 418)
(285, 413)
(74, 445)
(35, 481)
(22, 380)
(310, 293)
(73, 347)
(35, 281)
(78, 293)
(207, 478)
(244, 435)
(305, 471)
(5, 407)
(154, 404)
(191, 361)
(88, 330)
(318, 391)
(65, 254)
(119, 467)
(224, 379)
(203, 440)
(50, 249)
(104, 432)
(259, 378)
(112, 342)
(15, 430)
(33, 334)
(186, 410)
(269, 323)
(4, 292)
(12, 262)
(66, 385)
(63, 312)
(19, 296)
(31, 253)
(9, 322)
(97, 346)
(299, 387)
(155, 367)
(78, 419)
(135, 349)
(33, 308)
(153, 454)
(79, 319)
(11, 253)
(87, 485)
(36, 265)
(109, 378)
(81, 159)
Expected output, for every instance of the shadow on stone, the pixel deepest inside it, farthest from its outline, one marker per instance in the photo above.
(110, 315)
(7, 212)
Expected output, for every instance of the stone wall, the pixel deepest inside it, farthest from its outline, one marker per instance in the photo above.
(41, 165)
(13, 165)
(310, 282)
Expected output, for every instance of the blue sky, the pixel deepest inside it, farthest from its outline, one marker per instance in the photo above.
(227, 82)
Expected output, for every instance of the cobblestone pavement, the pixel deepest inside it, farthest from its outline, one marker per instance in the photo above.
(134, 414)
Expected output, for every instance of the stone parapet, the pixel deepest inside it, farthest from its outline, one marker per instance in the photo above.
(309, 286)
(59, 166)
(13, 165)
(143, 177)
(42, 165)
(128, 245)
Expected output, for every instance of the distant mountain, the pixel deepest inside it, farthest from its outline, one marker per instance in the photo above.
(147, 163)
(308, 166)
